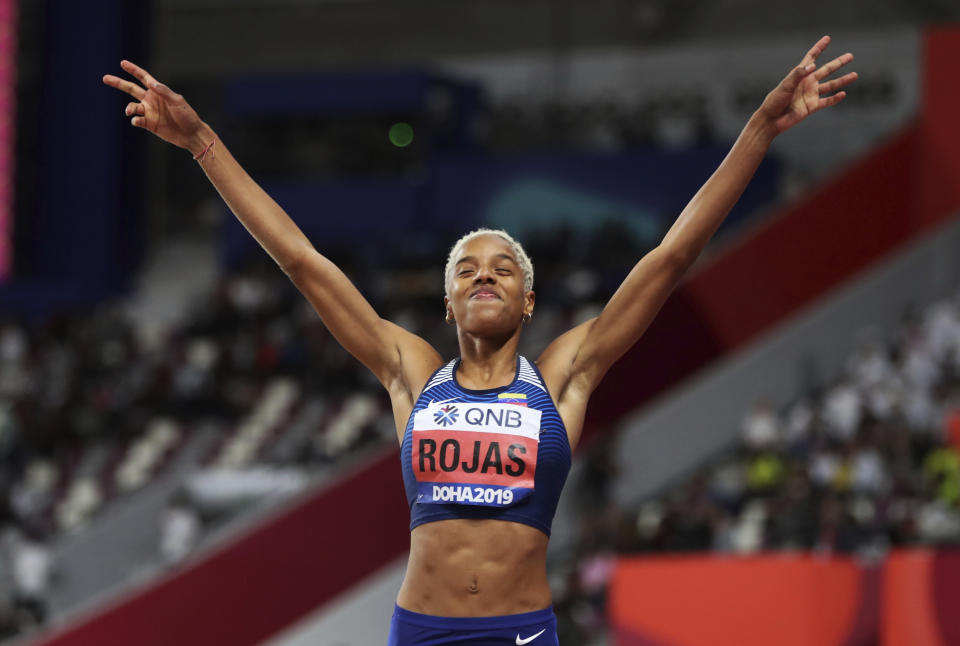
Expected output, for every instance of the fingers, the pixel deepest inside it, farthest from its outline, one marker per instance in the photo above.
(802, 71)
(166, 92)
(815, 51)
(144, 77)
(124, 85)
(793, 79)
(138, 112)
(834, 85)
(833, 66)
(139, 73)
(834, 99)
(134, 109)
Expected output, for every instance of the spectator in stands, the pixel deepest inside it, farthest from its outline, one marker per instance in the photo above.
(792, 519)
(761, 428)
(765, 473)
(180, 528)
(842, 411)
(847, 476)
(9, 616)
(868, 469)
(838, 532)
(798, 426)
(32, 567)
(942, 326)
(941, 470)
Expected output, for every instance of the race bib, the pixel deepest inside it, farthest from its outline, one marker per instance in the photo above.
(475, 454)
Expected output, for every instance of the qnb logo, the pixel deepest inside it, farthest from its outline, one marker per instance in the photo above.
(446, 415)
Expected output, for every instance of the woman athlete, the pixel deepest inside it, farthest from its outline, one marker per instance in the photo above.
(486, 438)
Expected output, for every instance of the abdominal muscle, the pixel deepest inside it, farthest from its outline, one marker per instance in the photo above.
(475, 568)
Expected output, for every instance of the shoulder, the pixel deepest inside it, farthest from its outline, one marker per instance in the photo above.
(442, 375)
(415, 361)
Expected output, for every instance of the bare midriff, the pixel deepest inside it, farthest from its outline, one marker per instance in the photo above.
(475, 568)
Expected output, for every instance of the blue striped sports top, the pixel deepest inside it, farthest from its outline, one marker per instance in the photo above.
(499, 453)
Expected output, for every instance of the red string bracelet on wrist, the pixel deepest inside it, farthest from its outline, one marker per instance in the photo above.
(203, 153)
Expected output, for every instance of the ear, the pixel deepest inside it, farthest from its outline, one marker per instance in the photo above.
(446, 305)
(529, 299)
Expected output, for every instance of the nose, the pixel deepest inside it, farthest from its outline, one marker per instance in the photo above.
(484, 275)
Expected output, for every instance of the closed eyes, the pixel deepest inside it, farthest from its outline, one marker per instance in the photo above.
(501, 271)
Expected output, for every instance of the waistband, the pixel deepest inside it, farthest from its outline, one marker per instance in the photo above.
(473, 623)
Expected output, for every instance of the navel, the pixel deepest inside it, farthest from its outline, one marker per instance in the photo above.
(474, 586)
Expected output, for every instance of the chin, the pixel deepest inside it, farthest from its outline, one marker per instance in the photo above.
(489, 324)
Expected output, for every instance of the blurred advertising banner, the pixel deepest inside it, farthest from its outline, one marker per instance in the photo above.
(787, 599)
(722, 81)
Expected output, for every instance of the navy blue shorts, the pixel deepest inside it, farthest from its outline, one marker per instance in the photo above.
(537, 628)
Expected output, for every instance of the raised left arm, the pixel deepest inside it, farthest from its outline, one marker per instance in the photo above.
(577, 361)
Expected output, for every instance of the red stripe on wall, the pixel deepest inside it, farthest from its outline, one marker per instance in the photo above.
(939, 163)
(797, 257)
(247, 591)
(829, 237)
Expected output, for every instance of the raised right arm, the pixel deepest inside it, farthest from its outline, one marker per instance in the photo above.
(386, 349)
(401, 360)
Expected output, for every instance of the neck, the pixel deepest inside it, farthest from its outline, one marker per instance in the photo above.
(487, 363)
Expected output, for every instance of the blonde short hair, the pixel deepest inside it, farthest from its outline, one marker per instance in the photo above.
(520, 255)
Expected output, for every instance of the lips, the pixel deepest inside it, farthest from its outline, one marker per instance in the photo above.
(485, 294)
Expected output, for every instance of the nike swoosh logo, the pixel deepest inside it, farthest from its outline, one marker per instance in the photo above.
(521, 642)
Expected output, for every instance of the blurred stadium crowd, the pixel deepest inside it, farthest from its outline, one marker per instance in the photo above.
(867, 463)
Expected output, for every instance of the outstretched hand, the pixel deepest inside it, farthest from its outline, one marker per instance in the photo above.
(159, 109)
(804, 90)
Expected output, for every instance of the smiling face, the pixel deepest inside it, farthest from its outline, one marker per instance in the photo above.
(485, 291)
